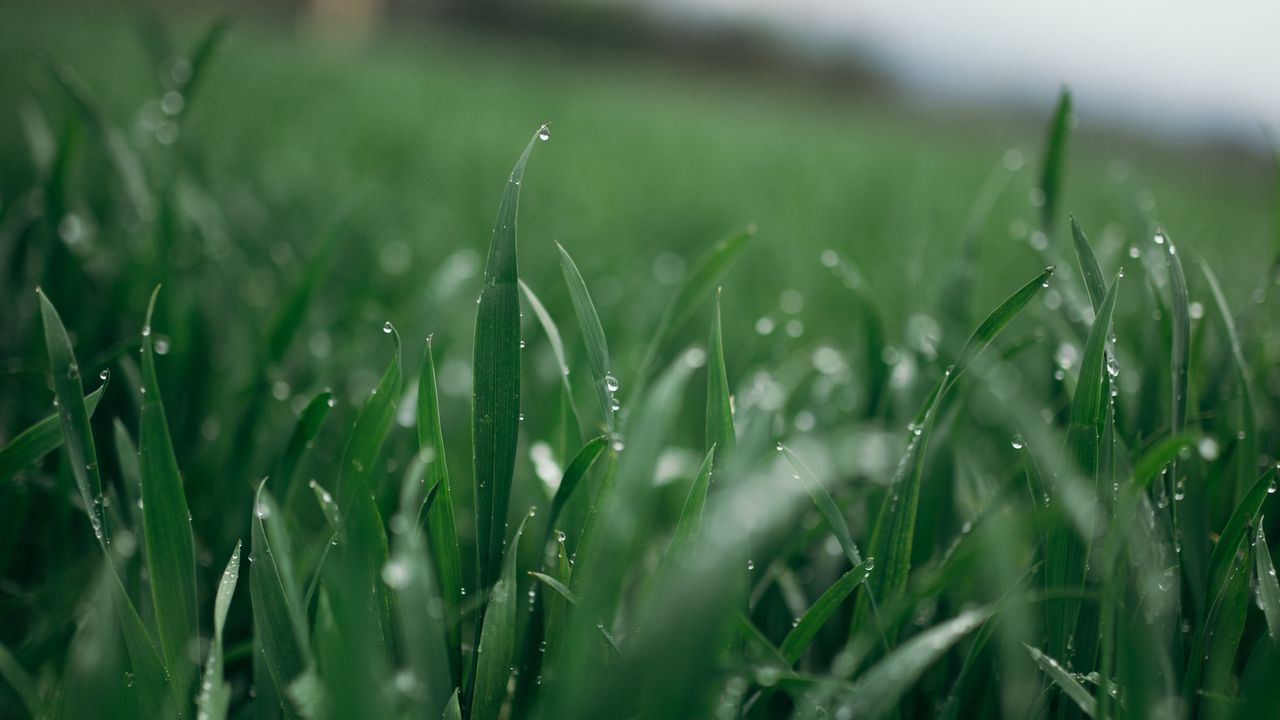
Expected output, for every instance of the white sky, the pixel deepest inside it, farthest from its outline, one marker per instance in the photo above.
(1178, 65)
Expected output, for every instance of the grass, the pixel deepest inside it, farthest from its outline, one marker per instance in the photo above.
(764, 476)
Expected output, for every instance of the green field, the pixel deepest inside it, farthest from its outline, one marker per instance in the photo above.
(870, 458)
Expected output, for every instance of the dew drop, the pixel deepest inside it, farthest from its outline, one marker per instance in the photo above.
(544, 133)
(104, 374)
(1017, 442)
(386, 327)
(611, 383)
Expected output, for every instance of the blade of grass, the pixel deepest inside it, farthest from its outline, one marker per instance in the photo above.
(720, 431)
(798, 640)
(552, 332)
(73, 416)
(441, 525)
(690, 523)
(564, 593)
(278, 619)
(166, 522)
(825, 504)
(496, 652)
(1268, 586)
(706, 274)
(215, 694)
(592, 335)
(310, 422)
(38, 440)
(1246, 465)
(573, 475)
(1054, 167)
(1065, 681)
(495, 423)
(1089, 267)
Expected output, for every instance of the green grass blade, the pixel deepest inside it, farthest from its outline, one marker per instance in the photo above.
(883, 685)
(441, 525)
(166, 521)
(592, 335)
(563, 592)
(720, 432)
(1181, 353)
(825, 504)
(328, 506)
(372, 425)
(1246, 465)
(495, 410)
(556, 609)
(495, 654)
(42, 438)
(73, 416)
(1051, 173)
(552, 332)
(1088, 406)
(705, 275)
(1065, 681)
(573, 475)
(997, 321)
(215, 694)
(1268, 586)
(690, 523)
(310, 422)
(797, 641)
(1089, 267)
(453, 711)
(278, 619)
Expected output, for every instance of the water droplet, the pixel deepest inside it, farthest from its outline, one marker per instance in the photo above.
(104, 374)
(544, 133)
(387, 328)
(522, 344)
(1271, 489)
(611, 383)
(1018, 443)
(263, 511)
(1159, 238)
(751, 565)
(395, 574)
(617, 443)
(869, 564)
(560, 536)
(331, 402)
(614, 404)
(146, 331)
(520, 417)
(1134, 251)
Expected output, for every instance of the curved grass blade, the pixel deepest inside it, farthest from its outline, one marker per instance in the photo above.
(278, 619)
(1065, 682)
(328, 507)
(1246, 465)
(166, 523)
(1268, 586)
(567, 595)
(552, 332)
(690, 522)
(215, 694)
(592, 336)
(881, 688)
(573, 475)
(1053, 169)
(825, 504)
(706, 274)
(495, 654)
(720, 431)
(42, 438)
(73, 416)
(310, 421)
(996, 321)
(797, 641)
(495, 410)
(441, 526)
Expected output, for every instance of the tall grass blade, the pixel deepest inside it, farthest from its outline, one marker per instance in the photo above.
(166, 521)
(826, 505)
(720, 432)
(552, 332)
(592, 335)
(573, 475)
(1268, 586)
(310, 422)
(690, 523)
(797, 641)
(73, 416)
(441, 526)
(1247, 462)
(495, 411)
(279, 621)
(1094, 282)
(1054, 167)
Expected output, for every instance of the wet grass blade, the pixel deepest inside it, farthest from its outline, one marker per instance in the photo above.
(552, 332)
(1089, 267)
(166, 521)
(826, 505)
(1268, 586)
(73, 416)
(797, 641)
(495, 654)
(720, 432)
(215, 694)
(707, 272)
(564, 593)
(441, 525)
(882, 687)
(1247, 462)
(573, 475)
(1065, 681)
(690, 523)
(310, 422)
(1053, 169)
(278, 619)
(592, 335)
(29, 446)
(495, 411)
(997, 321)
